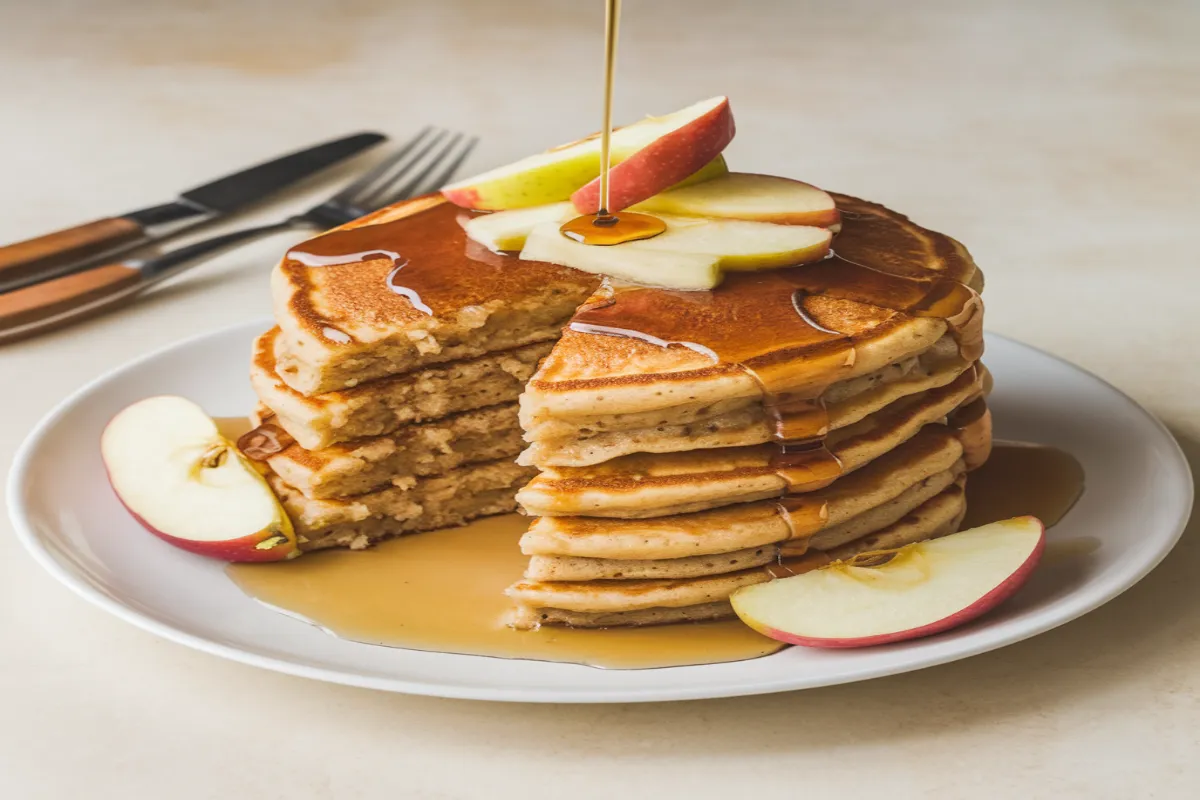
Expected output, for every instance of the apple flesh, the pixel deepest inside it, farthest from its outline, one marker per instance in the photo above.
(663, 162)
(506, 231)
(503, 231)
(739, 195)
(929, 587)
(552, 176)
(691, 254)
(190, 486)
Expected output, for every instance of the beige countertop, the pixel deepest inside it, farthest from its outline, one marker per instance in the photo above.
(1060, 141)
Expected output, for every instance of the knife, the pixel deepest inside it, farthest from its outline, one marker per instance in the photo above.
(51, 254)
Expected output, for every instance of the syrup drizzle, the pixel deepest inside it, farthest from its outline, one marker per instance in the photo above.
(876, 263)
(405, 291)
(339, 259)
(606, 228)
(418, 265)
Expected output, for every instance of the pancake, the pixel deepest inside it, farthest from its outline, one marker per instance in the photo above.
(651, 485)
(642, 350)
(451, 498)
(613, 603)
(846, 403)
(383, 406)
(364, 314)
(747, 525)
(573, 568)
(431, 448)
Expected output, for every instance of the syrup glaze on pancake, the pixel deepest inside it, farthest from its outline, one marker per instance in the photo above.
(420, 265)
(758, 322)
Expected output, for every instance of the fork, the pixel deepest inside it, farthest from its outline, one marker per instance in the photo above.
(423, 164)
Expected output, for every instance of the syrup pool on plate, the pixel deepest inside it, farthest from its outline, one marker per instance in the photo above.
(444, 591)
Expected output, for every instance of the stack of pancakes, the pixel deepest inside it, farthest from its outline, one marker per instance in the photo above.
(653, 465)
(378, 419)
(663, 485)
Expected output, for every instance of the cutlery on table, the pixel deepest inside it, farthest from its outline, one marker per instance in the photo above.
(54, 253)
(420, 166)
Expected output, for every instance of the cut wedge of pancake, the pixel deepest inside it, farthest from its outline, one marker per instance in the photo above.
(404, 288)
(383, 406)
(451, 498)
(611, 603)
(651, 485)
(430, 448)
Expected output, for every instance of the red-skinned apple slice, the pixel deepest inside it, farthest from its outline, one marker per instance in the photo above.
(190, 486)
(552, 176)
(665, 161)
(740, 195)
(927, 588)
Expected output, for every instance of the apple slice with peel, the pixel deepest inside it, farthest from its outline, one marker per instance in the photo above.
(691, 254)
(927, 588)
(189, 485)
(740, 195)
(665, 161)
(552, 176)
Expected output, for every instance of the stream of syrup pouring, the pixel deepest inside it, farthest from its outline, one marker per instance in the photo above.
(605, 228)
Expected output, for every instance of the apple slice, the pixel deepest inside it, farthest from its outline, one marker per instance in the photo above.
(663, 162)
(507, 230)
(929, 587)
(552, 176)
(189, 485)
(740, 195)
(690, 254)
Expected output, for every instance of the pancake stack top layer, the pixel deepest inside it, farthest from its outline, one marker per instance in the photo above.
(690, 443)
(654, 425)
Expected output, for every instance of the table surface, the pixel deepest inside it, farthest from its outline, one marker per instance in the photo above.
(1060, 143)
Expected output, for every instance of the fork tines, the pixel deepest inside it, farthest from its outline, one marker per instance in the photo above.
(420, 163)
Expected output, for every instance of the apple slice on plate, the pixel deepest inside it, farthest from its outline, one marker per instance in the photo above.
(552, 176)
(927, 588)
(189, 485)
(740, 195)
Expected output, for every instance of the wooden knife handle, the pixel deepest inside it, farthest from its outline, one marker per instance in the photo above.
(51, 298)
(31, 257)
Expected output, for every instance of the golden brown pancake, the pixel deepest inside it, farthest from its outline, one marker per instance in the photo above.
(746, 525)
(664, 357)
(451, 498)
(430, 448)
(384, 406)
(846, 403)
(365, 315)
(651, 485)
(615, 603)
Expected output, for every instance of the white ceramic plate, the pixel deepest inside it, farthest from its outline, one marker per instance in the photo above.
(1138, 497)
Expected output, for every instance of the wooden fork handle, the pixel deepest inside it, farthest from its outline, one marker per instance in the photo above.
(32, 257)
(55, 299)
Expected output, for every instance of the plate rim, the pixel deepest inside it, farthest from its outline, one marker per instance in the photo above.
(34, 545)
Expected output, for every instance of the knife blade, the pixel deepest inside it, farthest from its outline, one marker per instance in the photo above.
(49, 255)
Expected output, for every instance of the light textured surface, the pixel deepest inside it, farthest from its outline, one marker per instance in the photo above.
(1060, 143)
